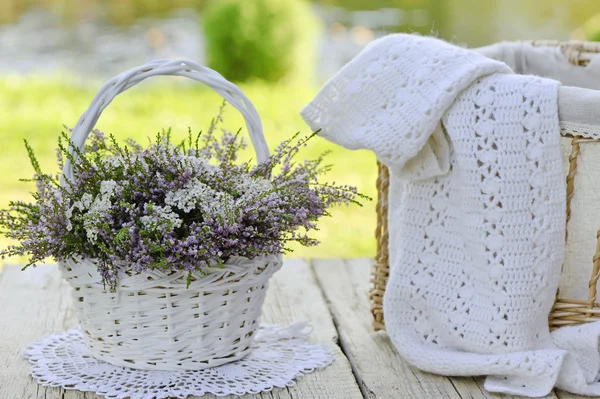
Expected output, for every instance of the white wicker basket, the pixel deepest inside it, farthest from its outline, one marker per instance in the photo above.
(152, 321)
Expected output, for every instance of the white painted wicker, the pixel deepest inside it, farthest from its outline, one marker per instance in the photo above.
(230, 92)
(152, 321)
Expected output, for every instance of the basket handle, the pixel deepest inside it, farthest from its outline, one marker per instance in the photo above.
(230, 92)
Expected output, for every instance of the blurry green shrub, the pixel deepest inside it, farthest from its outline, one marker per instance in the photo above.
(591, 28)
(269, 40)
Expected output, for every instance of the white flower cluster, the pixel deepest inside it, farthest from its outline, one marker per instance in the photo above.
(115, 161)
(197, 195)
(160, 217)
(96, 208)
(201, 165)
(189, 197)
(253, 187)
(107, 187)
(222, 207)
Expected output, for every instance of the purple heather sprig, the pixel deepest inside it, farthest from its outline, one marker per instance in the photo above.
(173, 207)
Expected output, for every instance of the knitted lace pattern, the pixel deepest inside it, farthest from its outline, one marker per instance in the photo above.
(476, 210)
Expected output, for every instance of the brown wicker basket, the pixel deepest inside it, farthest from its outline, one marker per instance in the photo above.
(565, 311)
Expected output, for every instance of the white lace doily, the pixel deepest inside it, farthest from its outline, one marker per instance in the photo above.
(279, 355)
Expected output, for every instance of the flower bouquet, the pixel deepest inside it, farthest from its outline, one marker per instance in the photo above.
(169, 247)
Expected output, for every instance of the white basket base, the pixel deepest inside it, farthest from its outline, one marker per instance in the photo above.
(279, 355)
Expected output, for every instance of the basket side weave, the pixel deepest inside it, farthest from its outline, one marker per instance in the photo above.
(154, 321)
(564, 311)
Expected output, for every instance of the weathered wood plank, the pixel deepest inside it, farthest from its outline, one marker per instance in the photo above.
(380, 371)
(567, 395)
(32, 304)
(295, 295)
(35, 303)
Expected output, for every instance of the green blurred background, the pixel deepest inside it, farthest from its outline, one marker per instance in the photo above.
(54, 54)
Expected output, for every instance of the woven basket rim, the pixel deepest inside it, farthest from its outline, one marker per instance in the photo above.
(130, 280)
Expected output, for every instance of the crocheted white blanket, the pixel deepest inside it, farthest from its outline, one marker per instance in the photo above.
(476, 210)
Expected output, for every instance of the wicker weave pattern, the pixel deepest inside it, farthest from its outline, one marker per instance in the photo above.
(152, 321)
(565, 311)
(381, 270)
(578, 53)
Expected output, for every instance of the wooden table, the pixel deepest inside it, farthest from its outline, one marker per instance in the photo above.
(332, 294)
